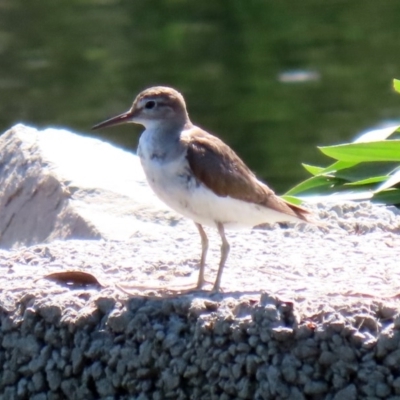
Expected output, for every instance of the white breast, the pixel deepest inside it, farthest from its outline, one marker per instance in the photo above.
(172, 181)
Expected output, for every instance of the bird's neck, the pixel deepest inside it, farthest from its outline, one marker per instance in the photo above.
(161, 141)
(167, 130)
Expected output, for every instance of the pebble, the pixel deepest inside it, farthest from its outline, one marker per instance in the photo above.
(162, 356)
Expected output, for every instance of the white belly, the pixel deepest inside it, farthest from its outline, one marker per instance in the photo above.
(173, 184)
(205, 207)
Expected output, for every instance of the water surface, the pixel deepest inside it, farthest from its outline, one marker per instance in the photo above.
(273, 79)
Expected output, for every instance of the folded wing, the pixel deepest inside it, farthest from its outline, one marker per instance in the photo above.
(219, 168)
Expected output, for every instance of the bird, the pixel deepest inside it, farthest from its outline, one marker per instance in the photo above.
(198, 175)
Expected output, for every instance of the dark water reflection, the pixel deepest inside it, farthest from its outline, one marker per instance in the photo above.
(274, 79)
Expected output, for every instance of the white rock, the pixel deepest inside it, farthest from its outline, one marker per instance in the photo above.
(57, 185)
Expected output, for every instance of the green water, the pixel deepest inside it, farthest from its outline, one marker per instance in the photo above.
(272, 78)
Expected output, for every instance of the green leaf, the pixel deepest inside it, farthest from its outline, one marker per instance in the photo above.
(393, 180)
(337, 166)
(292, 200)
(363, 171)
(311, 183)
(365, 152)
(367, 181)
(391, 196)
(312, 169)
(396, 85)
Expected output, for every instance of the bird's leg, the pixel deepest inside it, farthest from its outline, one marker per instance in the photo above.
(204, 248)
(224, 255)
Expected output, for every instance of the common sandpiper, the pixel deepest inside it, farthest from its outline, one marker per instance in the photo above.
(198, 175)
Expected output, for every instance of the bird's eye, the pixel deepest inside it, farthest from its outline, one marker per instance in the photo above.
(150, 104)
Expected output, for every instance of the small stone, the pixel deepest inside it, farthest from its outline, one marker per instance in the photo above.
(289, 373)
(38, 381)
(307, 369)
(282, 333)
(382, 390)
(237, 370)
(191, 371)
(9, 393)
(271, 313)
(206, 343)
(244, 388)
(386, 312)
(265, 336)
(96, 370)
(307, 349)
(51, 336)
(296, 394)
(251, 364)
(262, 351)
(142, 396)
(118, 320)
(10, 341)
(105, 304)
(396, 385)
(273, 377)
(243, 348)
(205, 364)
(70, 387)
(145, 350)
(143, 373)
(22, 387)
(337, 340)
(232, 349)
(39, 396)
(338, 210)
(104, 387)
(160, 335)
(224, 372)
(396, 321)
(53, 379)
(327, 358)
(321, 334)
(8, 378)
(369, 341)
(392, 359)
(77, 360)
(347, 393)
(170, 380)
(389, 340)
(303, 332)
(178, 366)
(315, 387)
(365, 321)
(202, 306)
(345, 353)
(224, 358)
(135, 303)
(254, 341)
(51, 313)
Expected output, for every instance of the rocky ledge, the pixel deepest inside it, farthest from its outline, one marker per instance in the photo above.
(305, 313)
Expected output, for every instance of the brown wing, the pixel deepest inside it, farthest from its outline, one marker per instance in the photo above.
(218, 167)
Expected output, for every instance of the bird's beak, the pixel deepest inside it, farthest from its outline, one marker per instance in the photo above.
(119, 119)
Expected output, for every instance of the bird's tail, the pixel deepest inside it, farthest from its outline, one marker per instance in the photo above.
(300, 212)
(307, 216)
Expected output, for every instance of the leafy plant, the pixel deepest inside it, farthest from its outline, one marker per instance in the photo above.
(368, 168)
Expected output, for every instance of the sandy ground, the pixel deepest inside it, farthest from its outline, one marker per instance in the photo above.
(355, 257)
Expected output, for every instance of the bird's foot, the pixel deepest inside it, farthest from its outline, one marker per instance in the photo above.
(201, 283)
(216, 289)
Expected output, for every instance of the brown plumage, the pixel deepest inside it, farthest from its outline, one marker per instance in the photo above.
(218, 167)
(174, 153)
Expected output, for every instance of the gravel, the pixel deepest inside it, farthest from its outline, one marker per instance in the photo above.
(306, 312)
